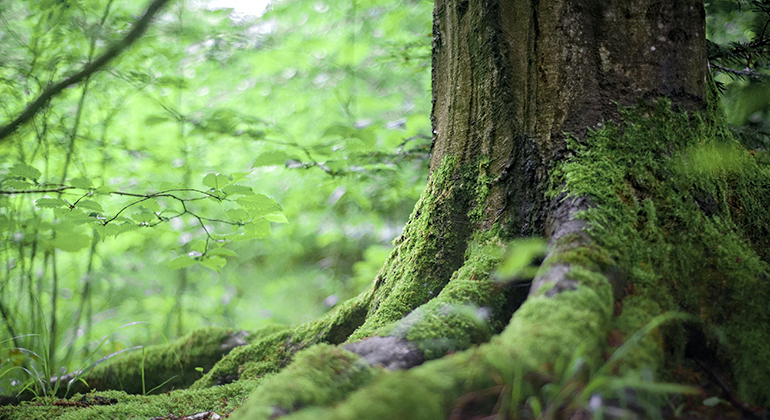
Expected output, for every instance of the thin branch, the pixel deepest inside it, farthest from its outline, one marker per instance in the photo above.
(139, 28)
(751, 74)
(47, 190)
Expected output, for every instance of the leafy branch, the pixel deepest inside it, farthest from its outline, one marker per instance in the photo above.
(116, 49)
(253, 212)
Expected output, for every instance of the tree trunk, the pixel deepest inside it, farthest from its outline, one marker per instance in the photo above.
(592, 123)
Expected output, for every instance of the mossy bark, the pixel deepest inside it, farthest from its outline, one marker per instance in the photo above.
(650, 211)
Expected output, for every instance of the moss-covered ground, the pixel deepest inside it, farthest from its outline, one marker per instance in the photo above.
(112, 405)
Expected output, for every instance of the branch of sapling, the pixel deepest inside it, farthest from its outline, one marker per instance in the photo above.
(45, 190)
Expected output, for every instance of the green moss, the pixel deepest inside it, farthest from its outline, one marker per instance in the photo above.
(544, 330)
(548, 329)
(163, 367)
(678, 206)
(648, 350)
(120, 405)
(482, 190)
(572, 249)
(465, 312)
(430, 249)
(319, 376)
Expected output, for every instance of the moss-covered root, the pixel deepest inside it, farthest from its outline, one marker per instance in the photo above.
(319, 376)
(543, 331)
(431, 248)
(468, 310)
(162, 367)
(271, 353)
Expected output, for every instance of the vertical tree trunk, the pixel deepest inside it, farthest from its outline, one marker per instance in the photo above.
(510, 78)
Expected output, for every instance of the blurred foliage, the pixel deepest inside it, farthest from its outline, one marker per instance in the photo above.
(739, 55)
(228, 169)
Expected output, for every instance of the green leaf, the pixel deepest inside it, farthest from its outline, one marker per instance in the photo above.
(238, 215)
(70, 242)
(258, 229)
(338, 130)
(70, 218)
(277, 218)
(233, 189)
(7, 224)
(222, 121)
(259, 204)
(223, 252)
(223, 237)
(216, 181)
(270, 158)
(367, 137)
(323, 149)
(214, 263)
(25, 171)
(521, 254)
(17, 185)
(237, 176)
(198, 246)
(81, 183)
(336, 165)
(114, 229)
(151, 205)
(90, 205)
(144, 217)
(181, 261)
(50, 203)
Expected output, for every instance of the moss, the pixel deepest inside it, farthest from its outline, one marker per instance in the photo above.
(678, 208)
(429, 250)
(110, 405)
(573, 250)
(547, 329)
(647, 352)
(543, 330)
(319, 376)
(466, 312)
(163, 367)
(482, 190)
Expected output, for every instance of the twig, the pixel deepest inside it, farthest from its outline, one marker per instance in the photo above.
(47, 190)
(755, 75)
